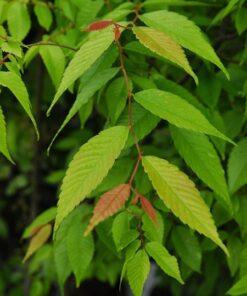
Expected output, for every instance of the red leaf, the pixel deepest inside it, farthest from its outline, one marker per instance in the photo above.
(100, 25)
(109, 204)
(148, 208)
(117, 32)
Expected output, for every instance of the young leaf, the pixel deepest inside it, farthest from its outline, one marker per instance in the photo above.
(240, 288)
(54, 60)
(187, 246)
(108, 205)
(148, 208)
(3, 137)
(18, 18)
(42, 219)
(200, 155)
(237, 166)
(38, 240)
(89, 52)
(89, 167)
(165, 46)
(184, 32)
(180, 195)
(85, 94)
(80, 249)
(100, 25)
(176, 111)
(167, 262)
(15, 84)
(137, 271)
(43, 14)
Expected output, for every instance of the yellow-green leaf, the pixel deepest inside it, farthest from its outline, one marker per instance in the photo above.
(38, 241)
(180, 195)
(89, 52)
(89, 167)
(3, 137)
(15, 84)
(184, 32)
(165, 46)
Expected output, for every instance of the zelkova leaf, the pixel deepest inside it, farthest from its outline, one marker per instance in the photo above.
(187, 246)
(185, 32)
(42, 219)
(148, 208)
(164, 45)
(18, 18)
(237, 166)
(176, 111)
(3, 137)
(43, 14)
(224, 12)
(15, 84)
(167, 262)
(137, 271)
(180, 195)
(89, 167)
(239, 288)
(200, 154)
(109, 204)
(86, 92)
(54, 60)
(80, 249)
(99, 25)
(89, 52)
(38, 240)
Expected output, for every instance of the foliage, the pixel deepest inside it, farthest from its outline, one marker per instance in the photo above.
(135, 118)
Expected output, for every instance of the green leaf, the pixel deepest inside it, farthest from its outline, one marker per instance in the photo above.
(180, 195)
(89, 167)
(184, 32)
(176, 111)
(84, 58)
(151, 3)
(143, 122)
(121, 232)
(200, 155)
(240, 21)
(240, 287)
(237, 166)
(154, 232)
(116, 97)
(42, 219)
(88, 13)
(224, 12)
(85, 94)
(187, 246)
(163, 45)
(15, 84)
(43, 14)
(167, 262)
(3, 137)
(137, 271)
(19, 22)
(235, 247)
(54, 60)
(13, 47)
(80, 249)
(62, 264)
